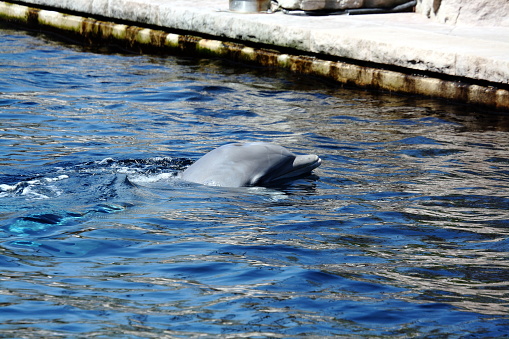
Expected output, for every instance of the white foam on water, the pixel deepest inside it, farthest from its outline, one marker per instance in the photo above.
(147, 179)
(60, 177)
(162, 158)
(34, 189)
(125, 170)
(105, 161)
(29, 191)
(8, 188)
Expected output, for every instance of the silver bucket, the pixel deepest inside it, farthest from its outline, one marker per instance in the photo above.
(249, 6)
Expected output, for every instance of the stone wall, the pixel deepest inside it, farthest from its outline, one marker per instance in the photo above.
(466, 12)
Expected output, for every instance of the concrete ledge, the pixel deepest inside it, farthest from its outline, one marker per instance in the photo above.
(405, 39)
(349, 39)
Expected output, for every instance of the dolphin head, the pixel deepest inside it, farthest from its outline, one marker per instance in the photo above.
(249, 164)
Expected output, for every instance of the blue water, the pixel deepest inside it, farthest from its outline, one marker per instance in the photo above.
(402, 232)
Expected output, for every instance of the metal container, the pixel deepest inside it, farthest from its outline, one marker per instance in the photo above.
(249, 6)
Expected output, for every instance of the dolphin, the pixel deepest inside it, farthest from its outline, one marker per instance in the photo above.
(249, 164)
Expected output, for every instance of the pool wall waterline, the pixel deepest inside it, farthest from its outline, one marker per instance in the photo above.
(138, 33)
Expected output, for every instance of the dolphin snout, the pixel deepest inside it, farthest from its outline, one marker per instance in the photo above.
(307, 162)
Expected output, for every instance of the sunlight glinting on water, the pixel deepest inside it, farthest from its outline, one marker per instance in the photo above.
(402, 231)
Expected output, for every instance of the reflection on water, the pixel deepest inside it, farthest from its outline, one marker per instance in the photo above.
(402, 232)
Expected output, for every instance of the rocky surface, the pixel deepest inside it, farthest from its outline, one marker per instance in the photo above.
(463, 12)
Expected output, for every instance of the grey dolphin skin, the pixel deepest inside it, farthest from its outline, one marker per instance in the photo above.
(249, 164)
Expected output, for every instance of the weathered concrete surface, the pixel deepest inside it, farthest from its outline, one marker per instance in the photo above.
(406, 40)
(466, 12)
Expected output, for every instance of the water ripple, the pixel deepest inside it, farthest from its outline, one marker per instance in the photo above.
(402, 232)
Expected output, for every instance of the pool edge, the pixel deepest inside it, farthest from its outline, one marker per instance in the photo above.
(146, 38)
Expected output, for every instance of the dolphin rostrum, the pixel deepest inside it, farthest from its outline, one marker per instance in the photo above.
(249, 164)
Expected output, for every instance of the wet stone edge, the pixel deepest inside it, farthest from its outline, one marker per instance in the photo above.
(149, 40)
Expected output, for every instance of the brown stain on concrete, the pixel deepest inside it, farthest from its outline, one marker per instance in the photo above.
(158, 38)
(32, 17)
(144, 40)
(92, 30)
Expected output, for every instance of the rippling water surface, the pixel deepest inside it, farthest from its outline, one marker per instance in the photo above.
(402, 232)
